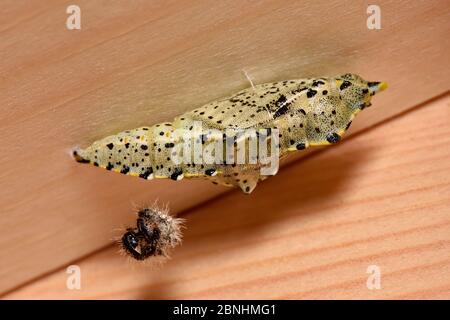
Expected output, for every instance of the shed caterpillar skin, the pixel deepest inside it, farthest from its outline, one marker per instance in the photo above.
(155, 235)
(305, 112)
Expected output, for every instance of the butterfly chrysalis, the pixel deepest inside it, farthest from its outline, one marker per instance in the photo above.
(288, 115)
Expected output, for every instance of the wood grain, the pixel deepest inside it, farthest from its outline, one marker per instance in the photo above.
(380, 198)
(149, 61)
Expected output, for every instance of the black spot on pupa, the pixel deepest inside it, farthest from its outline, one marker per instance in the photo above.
(348, 125)
(317, 83)
(176, 174)
(144, 147)
(311, 93)
(282, 99)
(302, 111)
(373, 84)
(300, 146)
(109, 166)
(146, 174)
(204, 138)
(79, 159)
(127, 145)
(284, 109)
(169, 145)
(125, 170)
(110, 146)
(333, 137)
(345, 84)
(210, 172)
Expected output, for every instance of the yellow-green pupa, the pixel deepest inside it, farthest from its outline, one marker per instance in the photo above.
(303, 112)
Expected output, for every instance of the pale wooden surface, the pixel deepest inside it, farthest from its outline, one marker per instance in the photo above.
(148, 61)
(381, 198)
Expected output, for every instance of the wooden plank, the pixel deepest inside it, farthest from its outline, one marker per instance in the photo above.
(150, 61)
(379, 199)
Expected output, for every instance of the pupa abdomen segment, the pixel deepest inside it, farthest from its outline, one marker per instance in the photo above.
(296, 113)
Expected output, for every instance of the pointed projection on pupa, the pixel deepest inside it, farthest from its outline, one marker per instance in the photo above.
(296, 114)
